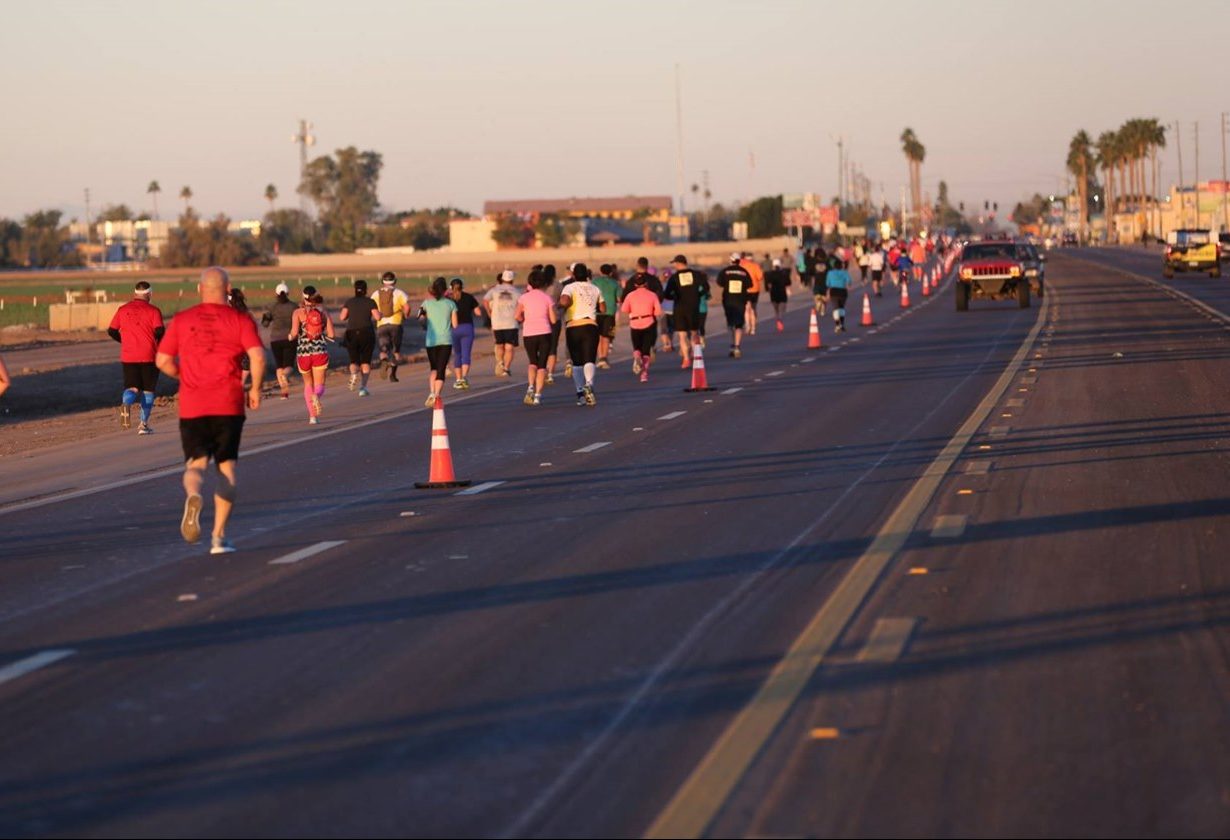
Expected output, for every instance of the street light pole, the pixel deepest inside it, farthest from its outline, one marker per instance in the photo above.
(1196, 174)
(1225, 212)
(1178, 146)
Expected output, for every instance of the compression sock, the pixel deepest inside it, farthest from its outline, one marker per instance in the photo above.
(363, 377)
(307, 397)
(319, 390)
(129, 397)
(147, 405)
(590, 367)
(578, 376)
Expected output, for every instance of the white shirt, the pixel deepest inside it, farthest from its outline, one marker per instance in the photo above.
(502, 304)
(585, 297)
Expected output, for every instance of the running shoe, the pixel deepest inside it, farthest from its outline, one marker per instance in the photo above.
(644, 376)
(636, 365)
(604, 364)
(499, 368)
(732, 353)
(459, 384)
(567, 369)
(393, 374)
(465, 384)
(581, 399)
(550, 379)
(780, 326)
(190, 525)
(363, 392)
(354, 380)
(529, 396)
(317, 409)
(286, 395)
(431, 401)
(312, 421)
(537, 400)
(588, 393)
(220, 545)
(125, 416)
(684, 364)
(144, 429)
(736, 353)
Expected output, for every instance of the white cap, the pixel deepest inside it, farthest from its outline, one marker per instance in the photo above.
(508, 275)
(572, 267)
(282, 289)
(736, 256)
(777, 263)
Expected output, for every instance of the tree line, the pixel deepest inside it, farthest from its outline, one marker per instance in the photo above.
(1126, 157)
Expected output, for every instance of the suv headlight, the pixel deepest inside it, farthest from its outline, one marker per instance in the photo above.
(1015, 271)
(1031, 272)
(967, 274)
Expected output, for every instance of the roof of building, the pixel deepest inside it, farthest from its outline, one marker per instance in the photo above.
(574, 204)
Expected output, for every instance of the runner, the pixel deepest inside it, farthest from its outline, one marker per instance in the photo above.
(438, 314)
(608, 284)
(360, 314)
(394, 307)
(863, 256)
(839, 286)
(138, 327)
(552, 287)
(463, 334)
(309, 327)
(239, 302)
(778, 281)
(820, 269)
(875, 261)
(536, 314)
(685, 289)
(753, 294)
(735, 281)
(918, 257)
(5, 381)
(651, 282)
(277, 318)
(202, 348)
(501, 302)
(643, 309)
(582, 302)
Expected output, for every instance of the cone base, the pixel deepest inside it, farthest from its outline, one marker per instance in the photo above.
(695, 390)
(441, 485)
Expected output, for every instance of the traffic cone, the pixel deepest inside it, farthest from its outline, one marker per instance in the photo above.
(813, 332)
(442, 476)
(700, 382)
(926, 283)
(867, 321)
(905, 295)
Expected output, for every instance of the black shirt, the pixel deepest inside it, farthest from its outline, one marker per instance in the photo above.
(735, 282)
(652, 283)
(686, 287)
(359, 313)
(466, 304)
(777, 279)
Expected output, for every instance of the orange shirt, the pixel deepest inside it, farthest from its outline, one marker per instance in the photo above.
(754, 269)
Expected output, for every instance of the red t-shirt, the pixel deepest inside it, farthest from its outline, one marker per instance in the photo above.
(136, 321)
(210, 339)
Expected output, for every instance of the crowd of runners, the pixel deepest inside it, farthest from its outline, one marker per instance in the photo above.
(215, 349)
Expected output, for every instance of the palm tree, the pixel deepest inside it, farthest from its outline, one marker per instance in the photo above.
(271, 195)
(1106, 155)
(1080, 157)
(153, 189)
(1156, 134)
(915, 153)
(186, 195)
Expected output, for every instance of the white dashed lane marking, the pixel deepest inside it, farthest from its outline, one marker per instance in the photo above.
(592, 447)
(775, 373)
(479, 488)
(30, 664)
(304, 553)
(672, 415)
(732, 390)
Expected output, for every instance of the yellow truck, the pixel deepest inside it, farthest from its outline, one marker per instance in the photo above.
(1191, 250)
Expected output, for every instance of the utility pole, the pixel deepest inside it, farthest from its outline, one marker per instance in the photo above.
(1178, 145)
(89, 228)
(678, 140)
(1225, 213)
(305, 139)
(1196, 174)
(841, 168)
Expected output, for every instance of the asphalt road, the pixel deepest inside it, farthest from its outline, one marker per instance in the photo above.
(572, 651)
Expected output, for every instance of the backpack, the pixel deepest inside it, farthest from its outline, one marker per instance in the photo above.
(314, 323)
(384, 301)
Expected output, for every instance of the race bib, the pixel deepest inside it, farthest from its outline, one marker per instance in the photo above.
(735, 287)
(685, 279)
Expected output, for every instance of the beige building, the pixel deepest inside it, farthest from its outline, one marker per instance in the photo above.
(471, 236)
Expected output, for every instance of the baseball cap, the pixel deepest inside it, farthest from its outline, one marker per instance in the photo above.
(777, 263)
(736, 256)
(508, 275)
(681, 259)
(281, 289)
(572, 267)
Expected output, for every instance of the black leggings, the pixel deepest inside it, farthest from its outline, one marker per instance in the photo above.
(644, 340)
(582, 344)
(438, 357)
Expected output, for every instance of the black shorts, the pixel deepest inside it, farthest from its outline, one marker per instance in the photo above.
(734, 311)
(753, 298)
(582, 344)
(438, 357)
(644, 340)
(216, 436)
(877, 274)
(506, 336)
(283, 353)
(140, 375)
(538, 348)
(778, 297)
(686, 320)
(606, 326)
(361, 344)
(838, 297)
(556, 329)
(701, 318)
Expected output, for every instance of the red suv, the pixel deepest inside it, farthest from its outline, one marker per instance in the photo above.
(994, 270)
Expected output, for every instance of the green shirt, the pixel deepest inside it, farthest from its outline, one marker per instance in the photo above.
(439, 321)
(610, 292)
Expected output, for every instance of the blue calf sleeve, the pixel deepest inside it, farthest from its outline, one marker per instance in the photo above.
(147, 405)
(130, 396)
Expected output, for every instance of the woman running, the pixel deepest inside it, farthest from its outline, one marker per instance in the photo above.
(360, 314)
(463, 334)
(309, 327)
(582, 303)
(536, 314)
(277, 318)
(643, 309)
(439, 315)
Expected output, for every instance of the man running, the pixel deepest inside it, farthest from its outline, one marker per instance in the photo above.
(778, 281)
(277, 317)
(875, 261)
(686, 287)
(643, 309)
(753, 294)
(648, 280)
(360, 316)
(394, 307)
(202, 348)
(735, 282)
(536, 314)
(608, 285)
(501, 300)
(138, 327)
(582, 303)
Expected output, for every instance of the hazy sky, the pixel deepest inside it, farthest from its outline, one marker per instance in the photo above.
(475, 100)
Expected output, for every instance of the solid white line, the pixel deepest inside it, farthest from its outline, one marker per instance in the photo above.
(672, 415)
(734, 390)
(304, 553)
(32, 663)
(592, 446)
(479, 488)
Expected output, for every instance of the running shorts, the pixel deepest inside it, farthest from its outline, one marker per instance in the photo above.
(438, 357)
(734, 314)
(644, 340)
(506, 337)
(313, 361)
(283, 353)
(753, 298)
(215, 436)
(838, 297)
(606, 326)
(361, 344)
(877, 274)
(538, 349)
(141, 375)
(686, 320)
(776, 296)
(388, 336)
(583, 344)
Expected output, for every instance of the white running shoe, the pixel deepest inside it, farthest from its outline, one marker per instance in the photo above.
(220, 545)
(190, 525)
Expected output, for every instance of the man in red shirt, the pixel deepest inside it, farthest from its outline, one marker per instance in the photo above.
(208, 341)
(138, 327)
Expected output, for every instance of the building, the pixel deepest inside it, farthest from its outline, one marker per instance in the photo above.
(595, 221)
(653, 208)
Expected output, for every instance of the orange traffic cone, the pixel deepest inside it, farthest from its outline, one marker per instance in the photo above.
(936, 274)
(867, 321)
(441, 456)
(926, 283)
(813, 332)
(700, 382)
(905, 295)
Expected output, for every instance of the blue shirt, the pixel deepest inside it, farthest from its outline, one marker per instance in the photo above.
(439, 321)
(838, 278)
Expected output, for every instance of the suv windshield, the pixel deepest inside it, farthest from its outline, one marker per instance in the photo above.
(1191, 237)
(990, 251)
